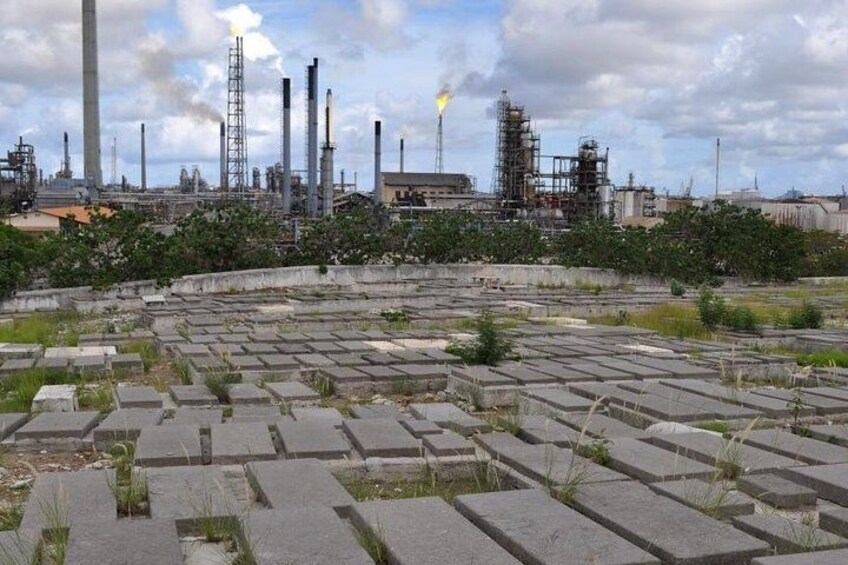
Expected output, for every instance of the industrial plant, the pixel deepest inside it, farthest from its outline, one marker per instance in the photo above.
(554, 189)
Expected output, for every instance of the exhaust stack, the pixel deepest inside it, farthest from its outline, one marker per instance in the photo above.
(378, 173)
(66, 164)
(91, 94)
(143, 159)
(401, 154)
(287, 176)
(327, 170)
(312, 141)
(224, 171)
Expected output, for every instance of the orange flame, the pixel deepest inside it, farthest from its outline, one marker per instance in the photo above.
(442, 100)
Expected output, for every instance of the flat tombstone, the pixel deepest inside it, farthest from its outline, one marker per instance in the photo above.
(714, 496)
(447, 415)
(138, 397)
(302, 536)
(427, 531)
(188, 493)
(834, 520)
(651, 464)
(292, 391)
(560, 399)
(832, 557)
(19, 546)
(162, 446)
(141, 542)
(539, 530)
(246, 393)
(708, 448)
(381, 438)
(125, 424)
(380, 373)
(304, 440)
(788, 536)
(304, 483)
(50, 426)
(541, 429)
(14, 365)
(278, 362)
(376, 412)
(63, 499)
(131, 363)
(55, 398)
(420, 428)
(829, 481)
(448, 444)
(235, 444)
(601, 426)
(777, 491)
(642, 517)
(313, 360)
(193, 395)
(200, 417)
(266, 414)
(326, 416)
(804, 449)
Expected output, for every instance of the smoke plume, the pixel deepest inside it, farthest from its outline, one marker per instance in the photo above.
(157, 63)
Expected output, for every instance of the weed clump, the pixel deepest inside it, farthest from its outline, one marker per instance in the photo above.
(677, 288)
(489, 346)
(219, 384)
(806, 316)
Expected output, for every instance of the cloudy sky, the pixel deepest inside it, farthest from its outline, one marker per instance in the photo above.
(655, 80)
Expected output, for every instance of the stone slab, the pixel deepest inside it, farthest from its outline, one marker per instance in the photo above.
(49, 426)
(203, 418)
(138, 397)
(836, 434)
(55, 398)
(667, 529)
(410, 527)
(823, 405)
(302, 536)
(19, 547)
(14, 365)
(808, 450)
(547, 464)
(277, 362)
(64, 499)
(448, 444)
(788, 536)
(829, 481)
(325, 416)
(832, 557)
(600, 426)
(524, 374)
(263, 413)
(141, 542)
(248, 393)
(381, 438)
(559, 399)
(777, 491)
(539, 530)
(541, 429)
(420, 428)
(771, 407)
(303, 483)
(708, 448)
(10, 422)
(193, 395)
(304, 440)
(125, 424)
(162, 446)
(481, 376)
(651, 464)
(449, 416)
(834, 519)
(377, 412)
(235, 444)
(188, 493)
(292, 391)
(716, 498)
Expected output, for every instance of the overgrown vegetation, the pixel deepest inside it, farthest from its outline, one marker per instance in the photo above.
(714, 311)
(830, 358)
(672, 320)
(146, 349)
(19, 389)
(130, 483)
(488, 347)
(219, 383)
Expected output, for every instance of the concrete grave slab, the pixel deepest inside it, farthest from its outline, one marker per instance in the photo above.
(523, 374)
(381, 438)
(319, 415)
(11, 366)
(539, 530)
(19, 546)
(304, 440)
(304, 483)
(377, 412)
(804, 449)
(541, 429)
(203, 418)
(600, 426)
(713, 496)
(650, 464)
(57, 426)
(302, 536)
(248, 394)
(263, 413)
(449, 416)
(55, 398)
(777, 491)
(66, 499)
(277, 362)
(642, 517)
(185, 494)
(292, 391)
(235, 444)
(74, 352)
(708, 448)
(829, 481)
(832, 557)
(448, 444)
(11, 422)
(823, 405)
(125, 424)
(420, 428)
(193, 395)
(141, 542)
(559, 399)
(163, 446)
(834, 519)
(137, 397)
(411, 527)
(788, 536)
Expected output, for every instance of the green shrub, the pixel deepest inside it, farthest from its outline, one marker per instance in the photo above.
(219, 384)
(710, 307)
(677, 288)
(806, 316)
(489, 347)
(740, 318)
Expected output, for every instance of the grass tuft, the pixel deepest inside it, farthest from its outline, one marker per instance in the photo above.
(147, 350)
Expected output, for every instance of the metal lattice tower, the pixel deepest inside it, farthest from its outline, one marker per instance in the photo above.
(236, 122)
(517, 160)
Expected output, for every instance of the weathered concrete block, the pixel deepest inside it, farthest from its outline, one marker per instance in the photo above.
(292, 392)
(788, 536)
(299, 440)
(777, 491)
(326, 416)
(55, 398)
(715, 498)
(240, 443)
(200, 417)
(381, 438)
(57, 426)
(139, 542)
(245, 393)
(302, 483)
(420, 428)
(186, 494)
(162, 446)
(137, 397)
(448, 444)
(125, 424)
(62, 500)
(193, 395)
(829, 481)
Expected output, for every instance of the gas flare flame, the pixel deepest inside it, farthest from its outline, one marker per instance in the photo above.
(443, 98)
(235, 30)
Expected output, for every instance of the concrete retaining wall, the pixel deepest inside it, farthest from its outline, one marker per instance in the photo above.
(336, 276)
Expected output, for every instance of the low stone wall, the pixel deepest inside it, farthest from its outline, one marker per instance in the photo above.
(335, 276)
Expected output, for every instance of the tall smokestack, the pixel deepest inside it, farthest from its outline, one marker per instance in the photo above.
(224, 171)
(287, 177)
(66, 165)
(378, 173)
(143, 159)
(312, 164)
(91, 93)
(401, 154)
(327, 169)
(718, 163)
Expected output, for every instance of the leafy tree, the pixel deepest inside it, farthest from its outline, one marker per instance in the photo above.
(447, 238)
(514, 243)
(349, 239)
(16, 254)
